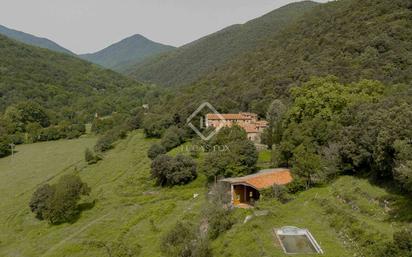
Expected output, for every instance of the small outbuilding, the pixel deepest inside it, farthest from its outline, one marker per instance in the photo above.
(245, 190)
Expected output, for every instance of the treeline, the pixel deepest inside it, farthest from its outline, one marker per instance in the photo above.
(28, 122)
(331, 128)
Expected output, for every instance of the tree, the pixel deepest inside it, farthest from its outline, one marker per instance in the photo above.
(155, 125)
(40, 201)
(172, 138)
(136, 119)
(27, 112)
(403, 169)
(229, 134)
(169, 171)
(307, 165)
(273, 133)
(58, 203)
(240, 159)
(184, 170)
(155, 150)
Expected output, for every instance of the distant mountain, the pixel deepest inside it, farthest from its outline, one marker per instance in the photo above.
(131, 50)
(33, 40)
(60, 82)
(192, 61)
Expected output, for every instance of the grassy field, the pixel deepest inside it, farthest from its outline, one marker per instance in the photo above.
(131, 214)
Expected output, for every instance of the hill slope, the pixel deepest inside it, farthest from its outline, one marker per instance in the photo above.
(194, 60)
(56, 80)
(33, 40)
(131, 50)
(350, 39)
(131, 215)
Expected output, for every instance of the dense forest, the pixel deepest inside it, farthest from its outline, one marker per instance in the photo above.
(197, 59)
(52, 95)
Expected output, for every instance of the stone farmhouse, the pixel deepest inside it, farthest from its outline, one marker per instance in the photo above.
(248, 121)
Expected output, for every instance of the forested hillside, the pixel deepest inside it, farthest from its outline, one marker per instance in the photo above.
(208, 54)
(57, 81)
(129, 51)
(350, 39)
(342, 74)
(33, 40)
(45, 95)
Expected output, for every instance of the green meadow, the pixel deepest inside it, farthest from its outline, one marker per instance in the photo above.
(126, 214)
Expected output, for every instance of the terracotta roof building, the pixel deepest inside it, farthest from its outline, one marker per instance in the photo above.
(248, 121)
(245, 190)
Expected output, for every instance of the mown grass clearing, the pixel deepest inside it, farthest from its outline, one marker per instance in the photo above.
(129, 214)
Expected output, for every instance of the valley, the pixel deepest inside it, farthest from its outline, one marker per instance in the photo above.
(287, 134)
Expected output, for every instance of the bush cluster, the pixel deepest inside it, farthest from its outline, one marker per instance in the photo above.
(107, 140)
(91, 157)
(184, 240)
(156, 150)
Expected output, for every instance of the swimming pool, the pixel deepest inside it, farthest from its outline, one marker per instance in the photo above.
(296, 240)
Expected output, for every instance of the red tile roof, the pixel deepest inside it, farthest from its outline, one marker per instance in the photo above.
(228, 116)
(250, 128)
(264, 178)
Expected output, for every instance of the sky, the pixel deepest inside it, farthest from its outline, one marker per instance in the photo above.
(85, 26)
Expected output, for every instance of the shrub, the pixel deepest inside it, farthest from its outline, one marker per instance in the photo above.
(400, 246)
(99, 126)
(184, 241)
(4, 146)
(172, 138)
(277, 192)
(155, 150)
(106, 141)
(91, 157)
(220, 219)
(50, 134)
(58, 203)
(169, 171)
(178, 241)
(297, 185)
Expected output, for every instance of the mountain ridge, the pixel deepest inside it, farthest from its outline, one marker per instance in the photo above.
(188, 63)
(128, 51)
(33, 40)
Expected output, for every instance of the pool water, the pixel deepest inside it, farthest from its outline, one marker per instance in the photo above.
(296, 240)
(297, 244)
